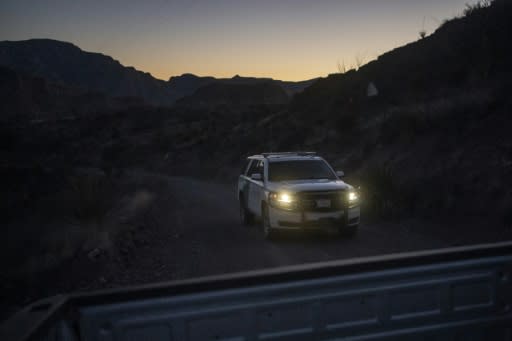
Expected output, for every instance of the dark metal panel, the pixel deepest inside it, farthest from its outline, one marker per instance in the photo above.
(387, 304)
(472, 284)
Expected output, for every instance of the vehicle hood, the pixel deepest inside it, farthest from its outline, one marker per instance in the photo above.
(308, 185)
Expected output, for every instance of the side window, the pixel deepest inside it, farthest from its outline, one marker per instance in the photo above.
(244, 166)
(260, 167)
(253, 168)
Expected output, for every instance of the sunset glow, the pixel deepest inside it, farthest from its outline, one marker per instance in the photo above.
(285, 39)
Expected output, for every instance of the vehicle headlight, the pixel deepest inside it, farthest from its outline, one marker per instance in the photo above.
(282, 200)
(353, 197)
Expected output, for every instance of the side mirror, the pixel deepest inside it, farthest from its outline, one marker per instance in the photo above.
(340, 174)
(256, 176)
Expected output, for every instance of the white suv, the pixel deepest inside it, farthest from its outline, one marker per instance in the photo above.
(296, 190)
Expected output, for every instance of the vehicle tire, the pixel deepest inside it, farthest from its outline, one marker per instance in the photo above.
(268, 232)
(246, 217)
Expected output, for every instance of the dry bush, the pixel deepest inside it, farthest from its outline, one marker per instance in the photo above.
(347, 122)
(380, 190)
(471, 9)
(449, 115)
(91, 197)
(343, 68)
(402, 126)
(163, 140)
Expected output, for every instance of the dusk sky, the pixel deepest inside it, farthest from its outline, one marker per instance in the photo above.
(282, 39)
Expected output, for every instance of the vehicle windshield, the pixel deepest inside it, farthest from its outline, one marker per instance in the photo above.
(299, 170)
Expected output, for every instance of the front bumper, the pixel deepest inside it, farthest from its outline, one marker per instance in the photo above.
(297, 220)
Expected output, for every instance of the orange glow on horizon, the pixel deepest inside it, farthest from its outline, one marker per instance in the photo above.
(289, 40)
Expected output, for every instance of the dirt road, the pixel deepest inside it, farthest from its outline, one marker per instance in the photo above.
(197, 232)
(192, 229)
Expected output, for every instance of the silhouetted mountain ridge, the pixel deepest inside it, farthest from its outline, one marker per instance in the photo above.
(29, 97)
(188, 83)
(64, 63)
(236, 93)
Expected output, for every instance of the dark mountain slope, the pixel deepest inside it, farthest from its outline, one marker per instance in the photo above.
(236, 94)
(187, 84)
(464, 51)
(64, 63)
(24, 97)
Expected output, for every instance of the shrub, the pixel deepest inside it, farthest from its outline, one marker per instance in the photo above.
(403, 126)
(163, 140)
(91, 197)
(471, 9)
(380, 191)
(117, 155)
(347, 122)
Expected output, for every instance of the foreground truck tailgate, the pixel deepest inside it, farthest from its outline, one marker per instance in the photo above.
(462, 293)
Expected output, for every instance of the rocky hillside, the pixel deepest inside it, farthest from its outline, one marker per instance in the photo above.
(66, 64)
(236, 94)
(30, 98)
(470, 50)
(187, 84)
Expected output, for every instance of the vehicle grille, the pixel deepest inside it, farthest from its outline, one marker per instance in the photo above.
(308, 201)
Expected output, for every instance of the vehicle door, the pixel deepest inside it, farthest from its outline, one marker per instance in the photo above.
(255, 187)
